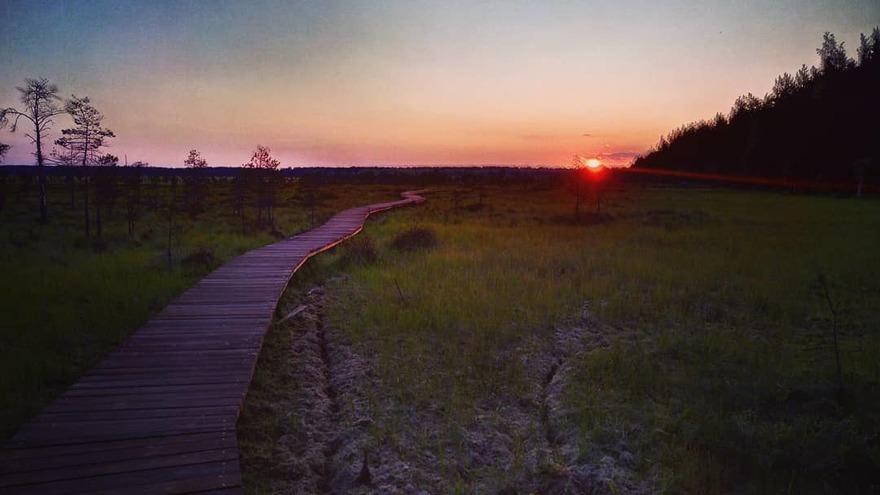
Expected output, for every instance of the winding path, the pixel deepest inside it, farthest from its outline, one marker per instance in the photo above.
(158, 414)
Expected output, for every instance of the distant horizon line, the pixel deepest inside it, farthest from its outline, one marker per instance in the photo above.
(439, 165)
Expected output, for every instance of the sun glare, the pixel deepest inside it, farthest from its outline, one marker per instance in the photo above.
(594, 163)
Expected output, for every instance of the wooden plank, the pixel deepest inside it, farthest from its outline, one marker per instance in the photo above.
(192, 344)
(119, 360)
(174, 412)
(162, 402)
(135, 352)
(222, 491)
(205, 336)
(223, 371)
(209, 319)
(47, 433)
(135, 395)
(154, 389)
(173, 479)
(222, 367)
(42, 458)
(159, 373)
(212, 359)
(119, 466)
(230, 483)
(204, 329)
(214, 297)
(188, 443)
(220, 324)
(159, 381)
(215, 311)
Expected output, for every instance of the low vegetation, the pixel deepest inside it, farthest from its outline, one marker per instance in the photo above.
(67, 299)
(688, 343)
(683, 346)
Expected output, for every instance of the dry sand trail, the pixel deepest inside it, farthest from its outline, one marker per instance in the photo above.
(335, 403)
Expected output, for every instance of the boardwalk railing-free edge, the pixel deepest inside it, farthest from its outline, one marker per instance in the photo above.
(158, 414)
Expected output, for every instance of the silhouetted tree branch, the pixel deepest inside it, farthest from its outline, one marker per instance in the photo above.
(39, 98)
(105, 188)
(869, 47)
(577, 183)
(264, 171)
(82, 144)
(133, 196)
(196, 166)
(832, 55)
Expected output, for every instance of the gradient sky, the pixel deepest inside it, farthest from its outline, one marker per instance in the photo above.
(407, 82)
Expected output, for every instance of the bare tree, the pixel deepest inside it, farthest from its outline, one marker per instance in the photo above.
(66, 160)
(310, 191)
(239, 192)
(196, 166)
(83, 143)
(266, 168)
(3, 149)
(824, 289)
(39, 98)
(105, 188)
(577, 183)
(3, 190)
(172, 207)
(133, 194)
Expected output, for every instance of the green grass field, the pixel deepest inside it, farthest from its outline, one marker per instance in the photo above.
(681, 345)
(696, 346)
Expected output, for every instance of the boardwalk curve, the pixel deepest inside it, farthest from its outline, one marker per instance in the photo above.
(158, 414)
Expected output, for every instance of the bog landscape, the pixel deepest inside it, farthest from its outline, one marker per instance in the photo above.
(700, 319)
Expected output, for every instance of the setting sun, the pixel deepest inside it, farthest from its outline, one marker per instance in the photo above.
(594, 163)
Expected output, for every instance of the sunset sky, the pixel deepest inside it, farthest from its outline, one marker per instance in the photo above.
(407, 82)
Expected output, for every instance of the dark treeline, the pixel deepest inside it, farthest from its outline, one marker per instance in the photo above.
(137, 196)
(817, 127)
(328, 175)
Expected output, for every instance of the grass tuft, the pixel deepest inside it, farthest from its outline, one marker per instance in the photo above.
(359, 251)
(718, 371)
(415, 238)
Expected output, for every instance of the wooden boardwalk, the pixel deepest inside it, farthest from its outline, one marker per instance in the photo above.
(158, 414)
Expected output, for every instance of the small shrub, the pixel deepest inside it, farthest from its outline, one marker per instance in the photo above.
(360, 251)
(583, 218)
(99, 245)
(200, 259)
(673, 219)
(414, 239)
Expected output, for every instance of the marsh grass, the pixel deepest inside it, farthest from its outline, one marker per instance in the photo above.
(720, 375)
(66, 301)
(415, 238)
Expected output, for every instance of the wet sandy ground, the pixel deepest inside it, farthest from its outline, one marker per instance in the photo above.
(334, 407)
